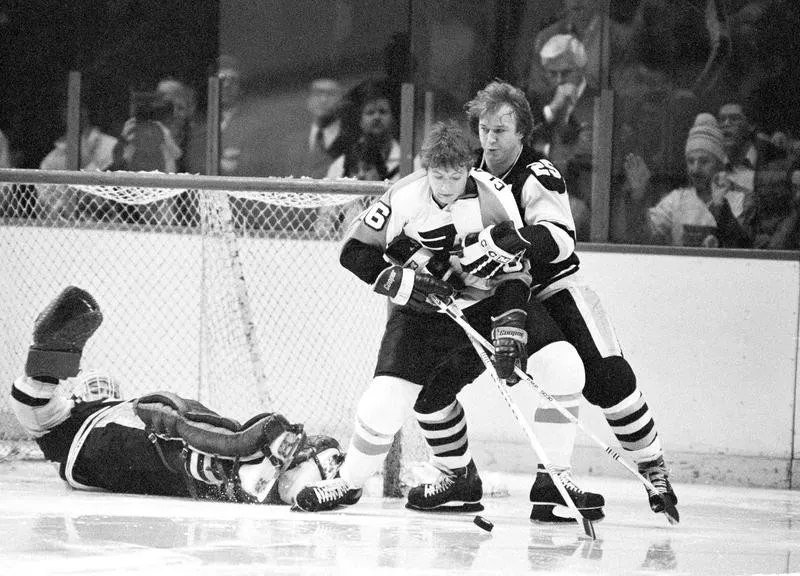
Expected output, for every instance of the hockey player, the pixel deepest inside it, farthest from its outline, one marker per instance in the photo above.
(160, 443)
(450, 230)
(504, 123)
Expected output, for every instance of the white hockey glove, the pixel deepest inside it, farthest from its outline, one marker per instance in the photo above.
(510, 341)
(486, 252)
(406, 287)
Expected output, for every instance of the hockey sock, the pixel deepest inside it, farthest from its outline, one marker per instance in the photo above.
(445, 431)
(383, 408)
(560, 372)
(556, 433)
(365, 455)
(633, 425)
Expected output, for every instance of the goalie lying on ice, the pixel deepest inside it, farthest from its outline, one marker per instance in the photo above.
(159, 443)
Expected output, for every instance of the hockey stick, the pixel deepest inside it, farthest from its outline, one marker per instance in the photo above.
(588, 527)
(670, 511)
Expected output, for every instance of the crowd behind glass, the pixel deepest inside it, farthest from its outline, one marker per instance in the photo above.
(704, 118)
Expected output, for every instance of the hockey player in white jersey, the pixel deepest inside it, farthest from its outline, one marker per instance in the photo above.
(159, 443)
(504, 122)
(451, 231)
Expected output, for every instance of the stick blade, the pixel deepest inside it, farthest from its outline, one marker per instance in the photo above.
(671, 512)
(588, 529)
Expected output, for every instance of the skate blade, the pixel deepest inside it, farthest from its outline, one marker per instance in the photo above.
(558, 513)
(450, 507)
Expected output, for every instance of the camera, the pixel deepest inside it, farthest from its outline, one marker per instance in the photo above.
(150, 106)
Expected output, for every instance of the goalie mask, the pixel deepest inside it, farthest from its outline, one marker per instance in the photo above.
(319, 459)
(94, 386)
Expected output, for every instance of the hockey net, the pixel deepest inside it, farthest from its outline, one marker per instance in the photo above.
(227, 290)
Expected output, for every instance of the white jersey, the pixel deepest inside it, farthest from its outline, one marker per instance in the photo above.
(409, 208)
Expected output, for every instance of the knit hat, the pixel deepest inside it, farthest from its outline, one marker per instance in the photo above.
(563, 49)
(706, 135)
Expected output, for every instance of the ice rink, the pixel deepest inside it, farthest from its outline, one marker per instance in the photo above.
(47, 528)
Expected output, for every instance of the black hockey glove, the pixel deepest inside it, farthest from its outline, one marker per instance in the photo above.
(510, 340)
(60, 333)
(406, 287)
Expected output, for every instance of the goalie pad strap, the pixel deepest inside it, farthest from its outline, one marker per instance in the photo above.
(56, 363)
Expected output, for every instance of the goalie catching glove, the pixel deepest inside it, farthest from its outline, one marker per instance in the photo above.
(407, 287)
(61, 332)
(510, 341)
(488, 251)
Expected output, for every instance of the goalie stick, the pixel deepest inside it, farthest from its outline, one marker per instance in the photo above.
(454, 312)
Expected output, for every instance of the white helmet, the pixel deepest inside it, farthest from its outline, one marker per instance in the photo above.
(96, 385)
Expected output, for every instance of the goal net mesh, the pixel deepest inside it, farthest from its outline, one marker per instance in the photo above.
(232, 297)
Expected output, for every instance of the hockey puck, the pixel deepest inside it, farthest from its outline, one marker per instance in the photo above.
(482, 522)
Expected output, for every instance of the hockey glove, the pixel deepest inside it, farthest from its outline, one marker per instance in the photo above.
(510, 340)
(60, 333)
(486, 252)
(406, 287)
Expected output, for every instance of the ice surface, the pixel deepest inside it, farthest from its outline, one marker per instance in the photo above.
(47, 528)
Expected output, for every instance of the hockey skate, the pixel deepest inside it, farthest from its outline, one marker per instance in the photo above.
(656, 472)
(549, 506)
(326, 495)
(460, 490)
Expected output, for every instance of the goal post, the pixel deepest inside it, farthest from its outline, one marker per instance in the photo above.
(223, 289)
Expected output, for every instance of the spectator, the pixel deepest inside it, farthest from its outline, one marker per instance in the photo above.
(747, 153)
(146, 142)
(96, 147)
(183, 123)
(324, 139)
(96, 153)
(564, 117)
(580, 19)
(650, 128)
(325, 96)
(247, 143)
(762, 68)
(374, 155)
(682, 217)
(772, 221)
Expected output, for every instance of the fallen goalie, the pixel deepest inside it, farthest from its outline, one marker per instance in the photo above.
(159, 443)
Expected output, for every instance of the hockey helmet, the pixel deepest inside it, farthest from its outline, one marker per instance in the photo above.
(96, 385)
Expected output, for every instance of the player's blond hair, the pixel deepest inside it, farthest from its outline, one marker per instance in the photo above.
(446, 146)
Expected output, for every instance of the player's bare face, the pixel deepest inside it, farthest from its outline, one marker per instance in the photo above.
(500, 140)
(447, 183)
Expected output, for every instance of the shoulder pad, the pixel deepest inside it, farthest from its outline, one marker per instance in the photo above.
(548, 175)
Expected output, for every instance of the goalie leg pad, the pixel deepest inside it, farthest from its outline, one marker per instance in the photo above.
(60, 332)
(170, 416)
